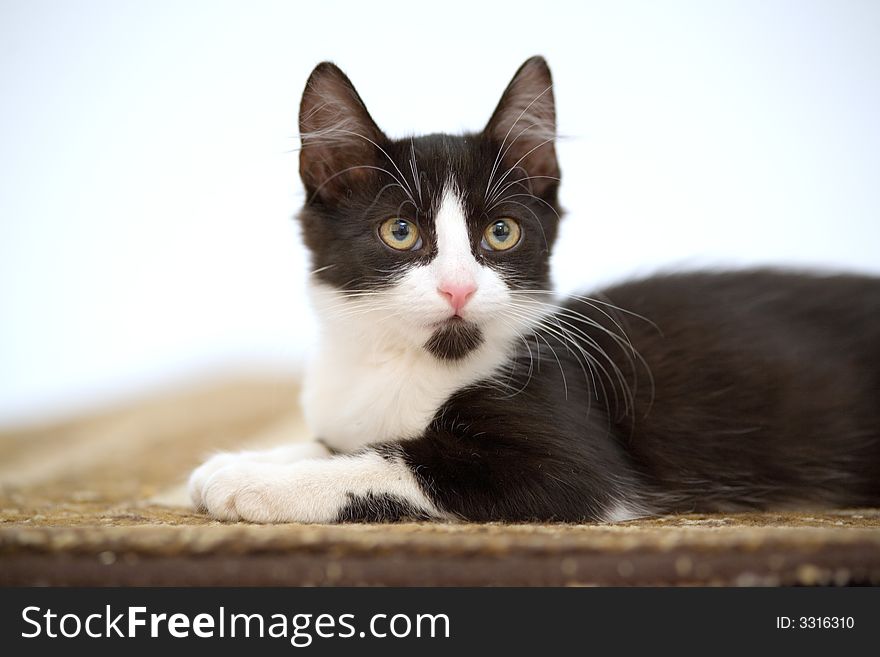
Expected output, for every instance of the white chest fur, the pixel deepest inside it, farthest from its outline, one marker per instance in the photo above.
(354, 397)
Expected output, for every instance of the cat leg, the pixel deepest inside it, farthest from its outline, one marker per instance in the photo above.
(368, 485)
(278, 455)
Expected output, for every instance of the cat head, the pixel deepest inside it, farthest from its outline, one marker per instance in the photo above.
(437, 244)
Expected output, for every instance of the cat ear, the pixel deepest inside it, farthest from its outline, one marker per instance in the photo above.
(339, 139)
(523, 126)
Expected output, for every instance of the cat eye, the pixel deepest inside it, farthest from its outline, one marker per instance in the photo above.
(501, 235)
(400, 234)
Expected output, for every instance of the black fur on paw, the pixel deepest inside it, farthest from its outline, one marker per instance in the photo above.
(378, 508)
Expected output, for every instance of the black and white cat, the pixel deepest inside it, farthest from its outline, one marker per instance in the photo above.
(450, 383)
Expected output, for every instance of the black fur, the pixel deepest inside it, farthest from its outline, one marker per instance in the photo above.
(455, 341)
(765, 394)
(378, 508)
(683, 392)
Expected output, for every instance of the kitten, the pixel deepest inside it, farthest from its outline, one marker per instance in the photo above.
(450, 384)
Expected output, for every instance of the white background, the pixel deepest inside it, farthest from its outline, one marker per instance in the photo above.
(148, 178)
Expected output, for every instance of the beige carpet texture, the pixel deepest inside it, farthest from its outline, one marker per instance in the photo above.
(98, 500)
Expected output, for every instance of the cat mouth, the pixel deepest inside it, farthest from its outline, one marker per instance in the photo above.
(454, 338)
(453, 320)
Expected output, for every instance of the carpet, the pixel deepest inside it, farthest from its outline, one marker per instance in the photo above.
(98, 500)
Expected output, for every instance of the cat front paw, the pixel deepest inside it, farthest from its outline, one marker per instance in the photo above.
(280, 455)
(201, 474)
(267, 493)
(245, 491)
(366, 486)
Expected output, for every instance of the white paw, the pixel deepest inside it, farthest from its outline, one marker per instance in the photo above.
(308, 490)
(271, 492)
(256, 492)
(201, 474)
(287, 454)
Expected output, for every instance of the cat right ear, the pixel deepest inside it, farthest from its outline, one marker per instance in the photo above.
(339, 139)
(523, 126)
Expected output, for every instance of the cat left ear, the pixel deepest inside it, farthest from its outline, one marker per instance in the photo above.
(340, 141)
(523, 126)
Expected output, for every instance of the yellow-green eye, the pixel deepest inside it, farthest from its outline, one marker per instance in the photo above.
(400, 234)
(501, 235)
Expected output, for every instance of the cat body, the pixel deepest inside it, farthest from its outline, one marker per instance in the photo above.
(450, 382)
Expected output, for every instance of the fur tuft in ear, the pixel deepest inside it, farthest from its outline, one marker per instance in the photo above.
(340, 142)
(524, 127)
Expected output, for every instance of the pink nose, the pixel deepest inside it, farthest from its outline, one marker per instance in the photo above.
(457, 294)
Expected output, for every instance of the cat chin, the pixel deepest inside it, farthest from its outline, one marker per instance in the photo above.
(454, 340)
